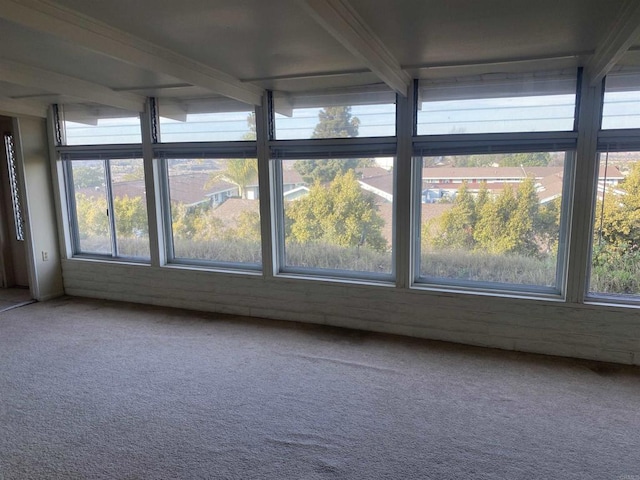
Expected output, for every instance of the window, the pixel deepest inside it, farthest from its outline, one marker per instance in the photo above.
(334, 192)
(108, 207)
(345, 113)
(337, 216)
(492, 219)
(205, 120)
(86, 124)
(621, 107)
(615, 260)
(214, 211)
(498, 103)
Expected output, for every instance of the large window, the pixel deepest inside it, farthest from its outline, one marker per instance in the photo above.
(337, 215)
(615, 261)
(335, 192)
(358, 112)
(493, 219)
(211, 119)
(621, 108)
(99, 125)
(214, 210)
(494, 164)
(498, 103)
(109, 209)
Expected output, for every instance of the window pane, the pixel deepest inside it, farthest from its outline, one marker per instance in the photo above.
(492, 218)
(338, 214)
(91, 206)
(621, 108)
(498, 104)
(206, 120)
(615, 262)
(335, 114)
(130, 208)
(215, 210)
(97, 125)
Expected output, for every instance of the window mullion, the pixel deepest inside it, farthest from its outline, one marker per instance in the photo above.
(402, 196)
(265, 188)
(154, 214)
(583, 198)
(110, 208)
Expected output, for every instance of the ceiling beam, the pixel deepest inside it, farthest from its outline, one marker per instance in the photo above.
(28, 76)
(48, 17)
(624, 32)
(340, 19)
(10, 106)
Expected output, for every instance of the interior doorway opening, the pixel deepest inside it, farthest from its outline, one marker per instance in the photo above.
(14, 272)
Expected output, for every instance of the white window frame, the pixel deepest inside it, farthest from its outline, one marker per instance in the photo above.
(216, 150)
(479, 143)
(104, 155)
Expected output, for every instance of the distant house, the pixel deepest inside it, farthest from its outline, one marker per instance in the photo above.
(377, 181)
(291, 180)
(295, 193)
(196, 189)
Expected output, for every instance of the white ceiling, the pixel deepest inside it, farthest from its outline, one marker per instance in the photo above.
(250, 45)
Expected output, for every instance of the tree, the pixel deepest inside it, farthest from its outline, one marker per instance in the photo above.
(342, 214)
(325, 170)
(533, 159)
(506, 223)
(333, 122)
(336, 122)
(88, 177)
(91, 214)
(195, 223)
(251, 123)
(619, 222)
(241, 172)
(547, 225)
(131, 217)
(455, 227)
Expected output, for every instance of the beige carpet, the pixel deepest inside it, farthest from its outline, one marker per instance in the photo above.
(94, 389)
(14, 297)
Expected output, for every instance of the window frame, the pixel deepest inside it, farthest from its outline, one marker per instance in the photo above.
(505, 144)
(219, 150)
(609, 141)
(278, 215)
(72, 154)
(323, 148)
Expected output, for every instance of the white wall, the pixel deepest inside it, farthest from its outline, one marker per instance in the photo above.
(34, 170)
(549, 327)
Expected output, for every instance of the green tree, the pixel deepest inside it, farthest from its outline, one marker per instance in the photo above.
(455, 227)
(325, 170)
(342, 214)
(506, 223)
(247, 227)
(531, 159)
(91, 214)
(547, 226)
(131, 216)
(333, 122)
(618, 221)
(535, 159)
(195, 223)
(241, 172)
(336, 122)
(88, 177)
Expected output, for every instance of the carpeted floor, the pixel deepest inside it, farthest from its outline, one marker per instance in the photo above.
(14, 297)
(92, 389)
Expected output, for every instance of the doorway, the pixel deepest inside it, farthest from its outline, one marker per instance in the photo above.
(14, 273)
